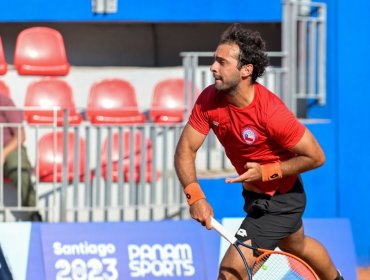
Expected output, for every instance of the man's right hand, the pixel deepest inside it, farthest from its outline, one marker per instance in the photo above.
(202, 211)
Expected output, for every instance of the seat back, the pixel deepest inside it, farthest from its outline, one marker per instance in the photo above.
(48, 93)
(4, 89)
(40, 51)
(168, 101)
(113, 101)
(126, 147)
(50, 153)
(3, 63)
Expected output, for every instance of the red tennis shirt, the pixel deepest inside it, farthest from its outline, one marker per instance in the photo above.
(261, 132)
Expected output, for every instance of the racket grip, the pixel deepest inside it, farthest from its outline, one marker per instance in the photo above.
(222, 231)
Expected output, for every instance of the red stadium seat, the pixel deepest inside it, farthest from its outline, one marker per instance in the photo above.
(47, 93)
(126, 157)
(168, 101)
(4, 89)
(113, 101)
(50, 153)
(3, 63)
(40, 51)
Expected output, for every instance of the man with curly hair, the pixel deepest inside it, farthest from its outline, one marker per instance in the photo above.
(268, 147)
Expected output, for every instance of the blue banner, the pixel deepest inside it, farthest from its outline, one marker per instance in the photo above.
(140, 250)
(112, 251)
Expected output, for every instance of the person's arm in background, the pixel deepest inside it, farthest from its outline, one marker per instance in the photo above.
(13, 144)
(186, 151)
(12, 116)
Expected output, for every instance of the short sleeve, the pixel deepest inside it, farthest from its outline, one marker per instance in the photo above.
(283, 127)
(199, 116)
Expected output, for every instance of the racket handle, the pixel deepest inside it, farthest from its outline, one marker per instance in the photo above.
(222, 231)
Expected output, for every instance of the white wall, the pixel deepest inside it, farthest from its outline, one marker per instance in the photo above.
(82, 78)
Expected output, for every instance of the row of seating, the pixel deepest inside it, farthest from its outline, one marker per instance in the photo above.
(41, 51)
(38, 51)
(107, 102)
(110, 101)
(50, 163)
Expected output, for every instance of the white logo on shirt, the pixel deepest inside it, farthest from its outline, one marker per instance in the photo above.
(215, 123)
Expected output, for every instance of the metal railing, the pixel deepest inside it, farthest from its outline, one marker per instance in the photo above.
(115, 175)
(304, 41)
(11, 195)
(103, 172)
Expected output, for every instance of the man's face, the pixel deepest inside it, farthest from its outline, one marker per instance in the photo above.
(225, 68)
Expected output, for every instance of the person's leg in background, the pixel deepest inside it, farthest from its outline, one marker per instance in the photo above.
(28, 191)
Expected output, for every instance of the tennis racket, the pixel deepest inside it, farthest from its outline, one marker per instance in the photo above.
(271, 265)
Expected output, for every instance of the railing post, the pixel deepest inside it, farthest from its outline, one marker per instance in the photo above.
(186, 65)
(322, 55)
(63, 191)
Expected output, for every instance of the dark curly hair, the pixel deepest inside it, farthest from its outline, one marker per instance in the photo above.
(252, 48)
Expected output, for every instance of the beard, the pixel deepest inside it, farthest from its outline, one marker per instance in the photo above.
(227, 89)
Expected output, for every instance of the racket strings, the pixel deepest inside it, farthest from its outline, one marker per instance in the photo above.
(278, 266)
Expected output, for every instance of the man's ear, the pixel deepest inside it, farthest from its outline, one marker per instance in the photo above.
(246, 70)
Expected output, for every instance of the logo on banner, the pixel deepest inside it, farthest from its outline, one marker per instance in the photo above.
(160, 260)
(83, 260)
(92, 252)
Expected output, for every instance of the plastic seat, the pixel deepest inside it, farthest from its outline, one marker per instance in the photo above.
(3, 63)
(113, 101)
(126, 146)
(168, 101)
(40, 51)
(4, 89)
(49, 93)
(50, 152)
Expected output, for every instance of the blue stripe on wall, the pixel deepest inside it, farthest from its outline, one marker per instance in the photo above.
(144, 10)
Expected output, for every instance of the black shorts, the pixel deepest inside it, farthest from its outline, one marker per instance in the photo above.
(271, 218)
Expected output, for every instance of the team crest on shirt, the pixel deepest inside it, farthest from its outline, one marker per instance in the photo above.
(249, 135)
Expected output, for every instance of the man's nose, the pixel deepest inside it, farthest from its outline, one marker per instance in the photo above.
(213, 67)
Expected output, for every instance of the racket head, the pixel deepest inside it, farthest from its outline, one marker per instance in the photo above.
(276, 265)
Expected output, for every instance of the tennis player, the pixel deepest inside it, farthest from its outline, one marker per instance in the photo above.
(268, 147)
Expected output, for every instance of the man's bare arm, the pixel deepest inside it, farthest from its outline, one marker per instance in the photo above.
(186, 150)
(187, 147)
(309, 155)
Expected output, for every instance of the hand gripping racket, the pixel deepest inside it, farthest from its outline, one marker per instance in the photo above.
(269, 265)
